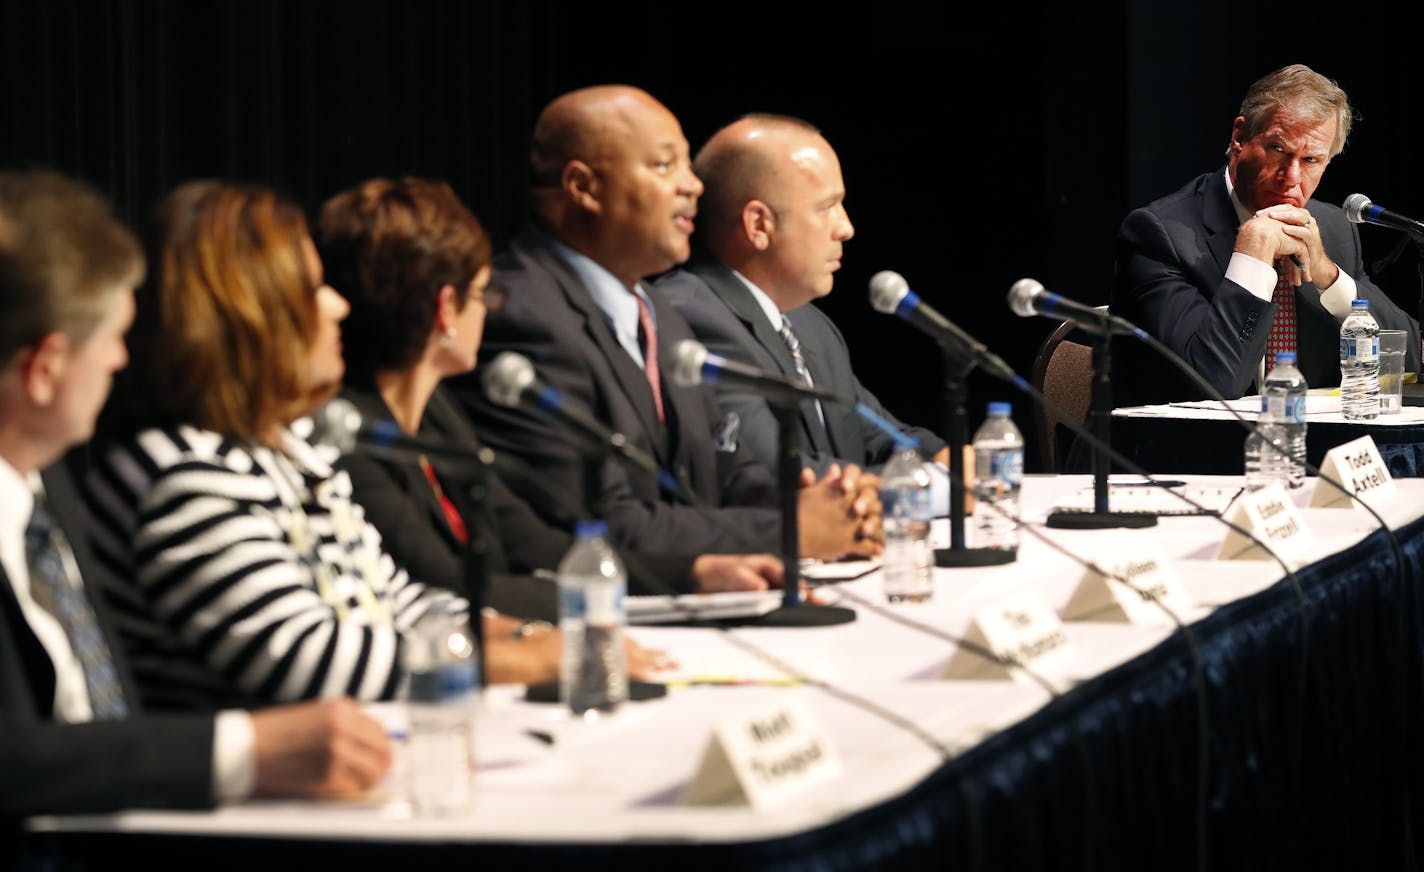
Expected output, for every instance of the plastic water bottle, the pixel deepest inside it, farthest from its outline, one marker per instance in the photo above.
(1283, 404)
(906, 514)
(593, 676)
(442, 663)
(998, 477)
(1359, 363)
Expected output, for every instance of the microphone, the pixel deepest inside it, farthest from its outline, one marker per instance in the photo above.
(1360, 210)
(510, 381)
(695, 365)
(1029, 297)
(891, 294)
(339, 424)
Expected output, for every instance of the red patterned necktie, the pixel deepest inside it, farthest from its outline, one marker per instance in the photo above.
(1282, 336)
(648, 338)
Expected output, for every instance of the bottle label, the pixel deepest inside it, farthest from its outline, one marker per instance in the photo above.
(906, 503)
(448, 683)
(604, 605)
(1359, 349)
(1006, 465)
(1283, 407)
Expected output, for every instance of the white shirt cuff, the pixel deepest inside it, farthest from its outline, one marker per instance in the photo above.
(1254, 275)
(1337, 298)
(234, 756)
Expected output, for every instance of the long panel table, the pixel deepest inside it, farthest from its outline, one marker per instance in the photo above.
(1188, 437)
(1282, 730)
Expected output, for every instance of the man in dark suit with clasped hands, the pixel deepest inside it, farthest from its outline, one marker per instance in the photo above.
(1242, 263)
(72, 735)
(614, 201)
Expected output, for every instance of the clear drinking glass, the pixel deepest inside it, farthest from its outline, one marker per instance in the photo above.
(1391, 372)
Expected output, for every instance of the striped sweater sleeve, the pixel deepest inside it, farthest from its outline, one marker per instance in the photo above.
(265, 573)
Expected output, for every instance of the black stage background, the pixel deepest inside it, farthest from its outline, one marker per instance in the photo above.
(977, 149)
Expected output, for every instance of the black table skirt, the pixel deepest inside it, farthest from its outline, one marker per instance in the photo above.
(1284, 735)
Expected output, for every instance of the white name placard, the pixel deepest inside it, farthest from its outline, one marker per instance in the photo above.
(1139, 587)
(1025, 636)
(764, 756)
(1359, 468)
(1271, 516)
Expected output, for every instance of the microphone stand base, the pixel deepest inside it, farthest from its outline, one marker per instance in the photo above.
(1099, 520)
(804, 615)
(955, 558)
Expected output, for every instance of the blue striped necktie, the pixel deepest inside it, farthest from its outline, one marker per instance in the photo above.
(794, 346)
(55, 591)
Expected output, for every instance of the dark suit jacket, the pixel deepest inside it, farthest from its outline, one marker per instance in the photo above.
(46, 767)
(1171, 281)
(400, 503)
(729, 321)
(551, 318)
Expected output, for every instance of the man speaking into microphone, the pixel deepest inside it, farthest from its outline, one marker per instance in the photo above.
(1241, 263)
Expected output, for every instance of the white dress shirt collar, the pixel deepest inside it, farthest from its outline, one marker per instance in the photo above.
(773, 314)
(611, 296)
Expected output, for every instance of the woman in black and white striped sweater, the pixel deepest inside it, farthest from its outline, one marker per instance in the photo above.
(242, 571)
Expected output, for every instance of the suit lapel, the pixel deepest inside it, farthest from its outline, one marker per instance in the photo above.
(372, 406)
(26, 665)
(1219, 219)
(745, 306)
(72, 518)
(632, 381)
(740, 300)
(445, 422)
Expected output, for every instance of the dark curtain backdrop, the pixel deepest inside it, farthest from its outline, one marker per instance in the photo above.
(977, 149)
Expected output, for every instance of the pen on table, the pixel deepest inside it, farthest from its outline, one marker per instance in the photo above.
(540, 736)
(732, 681)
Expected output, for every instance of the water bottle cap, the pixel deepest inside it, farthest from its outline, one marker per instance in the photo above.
(1285, 357)
(904, 441)
(1359, 304)
(1000, 408)
(590, 529)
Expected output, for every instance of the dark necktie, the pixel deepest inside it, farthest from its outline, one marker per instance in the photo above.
(648, 338)
(794, 346)
(1282, 336)
(55, 591)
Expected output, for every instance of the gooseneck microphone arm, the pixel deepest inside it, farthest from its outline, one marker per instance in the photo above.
(1028, 297)
(891, 294)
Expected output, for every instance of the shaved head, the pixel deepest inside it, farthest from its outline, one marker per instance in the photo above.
(746, 160)
(774, 208)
